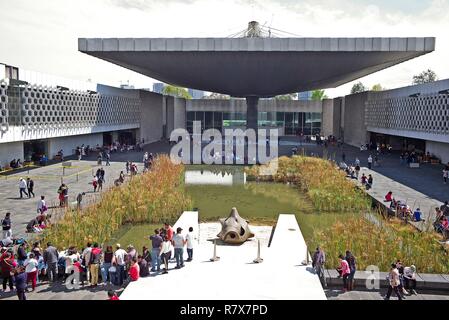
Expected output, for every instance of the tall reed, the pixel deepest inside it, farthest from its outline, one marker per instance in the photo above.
(326, 186)
(152, 197)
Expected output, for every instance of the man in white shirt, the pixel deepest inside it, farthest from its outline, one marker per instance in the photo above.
(119, 260)
(189, 238)
(86, 258)
(179, 243)
(41, 206)
(370, 162)
(22, 187)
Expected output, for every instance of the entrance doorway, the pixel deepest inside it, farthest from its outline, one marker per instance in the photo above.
(35, 149)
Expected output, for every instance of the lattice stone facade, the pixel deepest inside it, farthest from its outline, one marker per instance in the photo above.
(48, 108)
(3, 107)
(426, 113)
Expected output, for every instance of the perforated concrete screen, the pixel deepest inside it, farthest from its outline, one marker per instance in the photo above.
(48, 107)
(427, 113)
(3, 107)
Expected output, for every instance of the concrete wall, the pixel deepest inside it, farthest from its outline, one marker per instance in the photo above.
(355, 132)
(170, 115)
(179, 113)
(441, 150)
(9, 151)
(151, 116)
(69, 144)
(265, 105)
(330, 120)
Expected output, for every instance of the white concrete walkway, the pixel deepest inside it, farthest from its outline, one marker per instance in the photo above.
(235, 276)
(413, 198)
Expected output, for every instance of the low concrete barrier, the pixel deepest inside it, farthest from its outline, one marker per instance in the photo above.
(424, 281)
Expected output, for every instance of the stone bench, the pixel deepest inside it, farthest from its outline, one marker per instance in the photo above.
(414, 165)
(67, 164)
(423, 280)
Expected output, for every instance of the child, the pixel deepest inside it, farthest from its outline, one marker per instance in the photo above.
(134, 270)
(112, 295)
(95, 183)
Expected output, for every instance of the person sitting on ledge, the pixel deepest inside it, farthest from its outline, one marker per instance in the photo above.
(417, 215)
(388, 197)
(43, 161)
(363, 179)
(13, 164)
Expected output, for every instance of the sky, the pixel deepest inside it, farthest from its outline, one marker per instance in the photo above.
(42, 35)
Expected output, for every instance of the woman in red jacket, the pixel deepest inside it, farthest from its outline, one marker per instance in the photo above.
(134, 270)
(345, 271)
(7, 264)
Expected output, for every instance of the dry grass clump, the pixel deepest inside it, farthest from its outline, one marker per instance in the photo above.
(326, 186)
(381, 244)
(153, 197)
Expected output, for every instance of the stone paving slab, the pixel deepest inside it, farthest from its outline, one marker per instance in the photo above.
(47, 180)
(335, 294)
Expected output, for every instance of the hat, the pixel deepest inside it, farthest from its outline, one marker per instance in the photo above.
(118, 245)
(178, 229)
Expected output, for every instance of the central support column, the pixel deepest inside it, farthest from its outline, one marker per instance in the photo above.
(251, 112)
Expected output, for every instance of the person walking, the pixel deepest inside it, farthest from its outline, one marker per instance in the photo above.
(30, 187)
(95, 183)
(393, 278)
(370, 162)
(190, 237)
(127, 166)
(156, 241)
(51, 257)
(357, 171)
(410, 279)
(165, 252)
(23, 188)
(344, 271)
(79, 199)
(6, 226)
(100, 184)
(352, 268)
(41, 206)
(108, 157)
(318, 260)
(31, 267)
(179, 243)
(445, 175)
(95, 258)
(20, 280)
(343, 157)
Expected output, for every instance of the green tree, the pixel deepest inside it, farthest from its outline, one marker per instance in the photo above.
(176, 92)
(290, 96)
(318, 95)
(377, 87)
(425, 77)
(215, 95)
(358, 87)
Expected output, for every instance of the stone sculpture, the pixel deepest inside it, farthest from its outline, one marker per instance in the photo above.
(234, 229)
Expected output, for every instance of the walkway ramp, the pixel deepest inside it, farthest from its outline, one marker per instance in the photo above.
(235, 276)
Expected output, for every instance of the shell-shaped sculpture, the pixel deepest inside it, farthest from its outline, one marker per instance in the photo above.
(234, 229)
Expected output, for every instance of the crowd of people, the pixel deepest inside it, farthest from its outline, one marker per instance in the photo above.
(23, 264)
(401, 279)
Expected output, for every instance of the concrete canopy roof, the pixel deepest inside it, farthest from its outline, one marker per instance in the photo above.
(262, 67)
